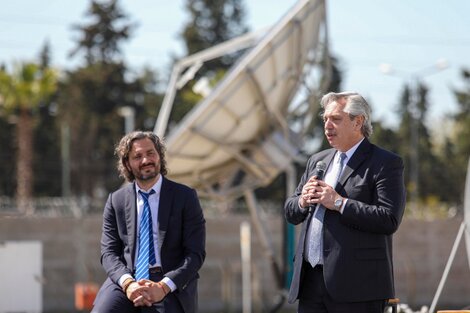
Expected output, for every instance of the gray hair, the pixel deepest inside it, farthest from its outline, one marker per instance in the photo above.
(356, 105)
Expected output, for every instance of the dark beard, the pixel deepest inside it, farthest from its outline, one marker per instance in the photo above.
(146, 177)
(140, 175)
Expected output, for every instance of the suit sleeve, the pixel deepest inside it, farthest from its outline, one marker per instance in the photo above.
(193, 242)
(383, 210)
(111, 244)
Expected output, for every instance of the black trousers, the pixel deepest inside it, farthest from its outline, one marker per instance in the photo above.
(112, 299)
(314, 298)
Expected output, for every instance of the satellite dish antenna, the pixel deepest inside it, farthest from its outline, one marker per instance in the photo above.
(241, 136)
(464, 229)
(238, 138)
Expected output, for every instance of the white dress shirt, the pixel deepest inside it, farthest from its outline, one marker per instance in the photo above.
(154, 202)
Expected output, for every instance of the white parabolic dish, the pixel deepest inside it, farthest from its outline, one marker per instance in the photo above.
(239, 133)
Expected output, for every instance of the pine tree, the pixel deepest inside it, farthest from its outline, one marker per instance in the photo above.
(101, 39)
(459, 145)
(91, 97)
(422, 181)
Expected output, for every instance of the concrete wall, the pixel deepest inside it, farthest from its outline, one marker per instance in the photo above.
(71, 254)
(421, 253)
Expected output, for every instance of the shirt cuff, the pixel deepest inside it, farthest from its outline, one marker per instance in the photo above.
(344, 204)
(123, 278)
(169, 283)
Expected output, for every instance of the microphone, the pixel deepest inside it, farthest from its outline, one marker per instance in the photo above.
(320, 169)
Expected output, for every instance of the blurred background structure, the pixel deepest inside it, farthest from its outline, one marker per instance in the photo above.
(241, 118)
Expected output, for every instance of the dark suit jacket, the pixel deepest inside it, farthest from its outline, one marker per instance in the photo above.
(181, 237)
(357, 244)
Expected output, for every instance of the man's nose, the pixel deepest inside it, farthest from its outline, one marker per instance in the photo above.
(327, 123)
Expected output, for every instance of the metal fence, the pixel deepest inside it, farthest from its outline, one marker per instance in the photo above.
(82, 206)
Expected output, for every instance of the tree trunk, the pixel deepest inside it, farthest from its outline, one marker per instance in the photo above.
(24, 162)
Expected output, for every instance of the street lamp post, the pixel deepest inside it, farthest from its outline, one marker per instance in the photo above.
(129, 118)
(414, 80)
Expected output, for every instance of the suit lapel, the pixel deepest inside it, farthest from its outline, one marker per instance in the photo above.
(164, 208)
(131, 218)
(359, 156)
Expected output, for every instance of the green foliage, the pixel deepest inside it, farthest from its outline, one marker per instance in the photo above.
(25, 87)
(7, 157)
(91, 97)
(432, 175)
(457, 148)
(41, 81)
(430, 208)
(101, 38)
(462, 119)
(21, 94)
(212, 22)
(316, 127)
(47, 157)
(89, 102)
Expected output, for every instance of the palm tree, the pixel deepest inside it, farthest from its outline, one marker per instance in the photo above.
(21, 93)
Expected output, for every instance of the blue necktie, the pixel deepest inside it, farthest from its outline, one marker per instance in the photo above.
(315, 243)
(146, 254)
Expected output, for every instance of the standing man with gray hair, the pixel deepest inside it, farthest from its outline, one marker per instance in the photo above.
(350, 201)
(153, 239)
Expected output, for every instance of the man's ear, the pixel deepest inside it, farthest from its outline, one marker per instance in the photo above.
(359, 121)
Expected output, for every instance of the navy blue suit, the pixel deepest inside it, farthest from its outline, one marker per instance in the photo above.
(357, 244)
(181, 236)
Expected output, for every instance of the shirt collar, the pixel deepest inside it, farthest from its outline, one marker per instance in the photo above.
(157, 186)
(351, 151)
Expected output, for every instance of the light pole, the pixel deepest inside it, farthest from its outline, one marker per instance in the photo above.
(129, 118)
(413, 80)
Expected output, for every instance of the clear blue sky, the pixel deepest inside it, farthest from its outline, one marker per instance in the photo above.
(409, 35)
